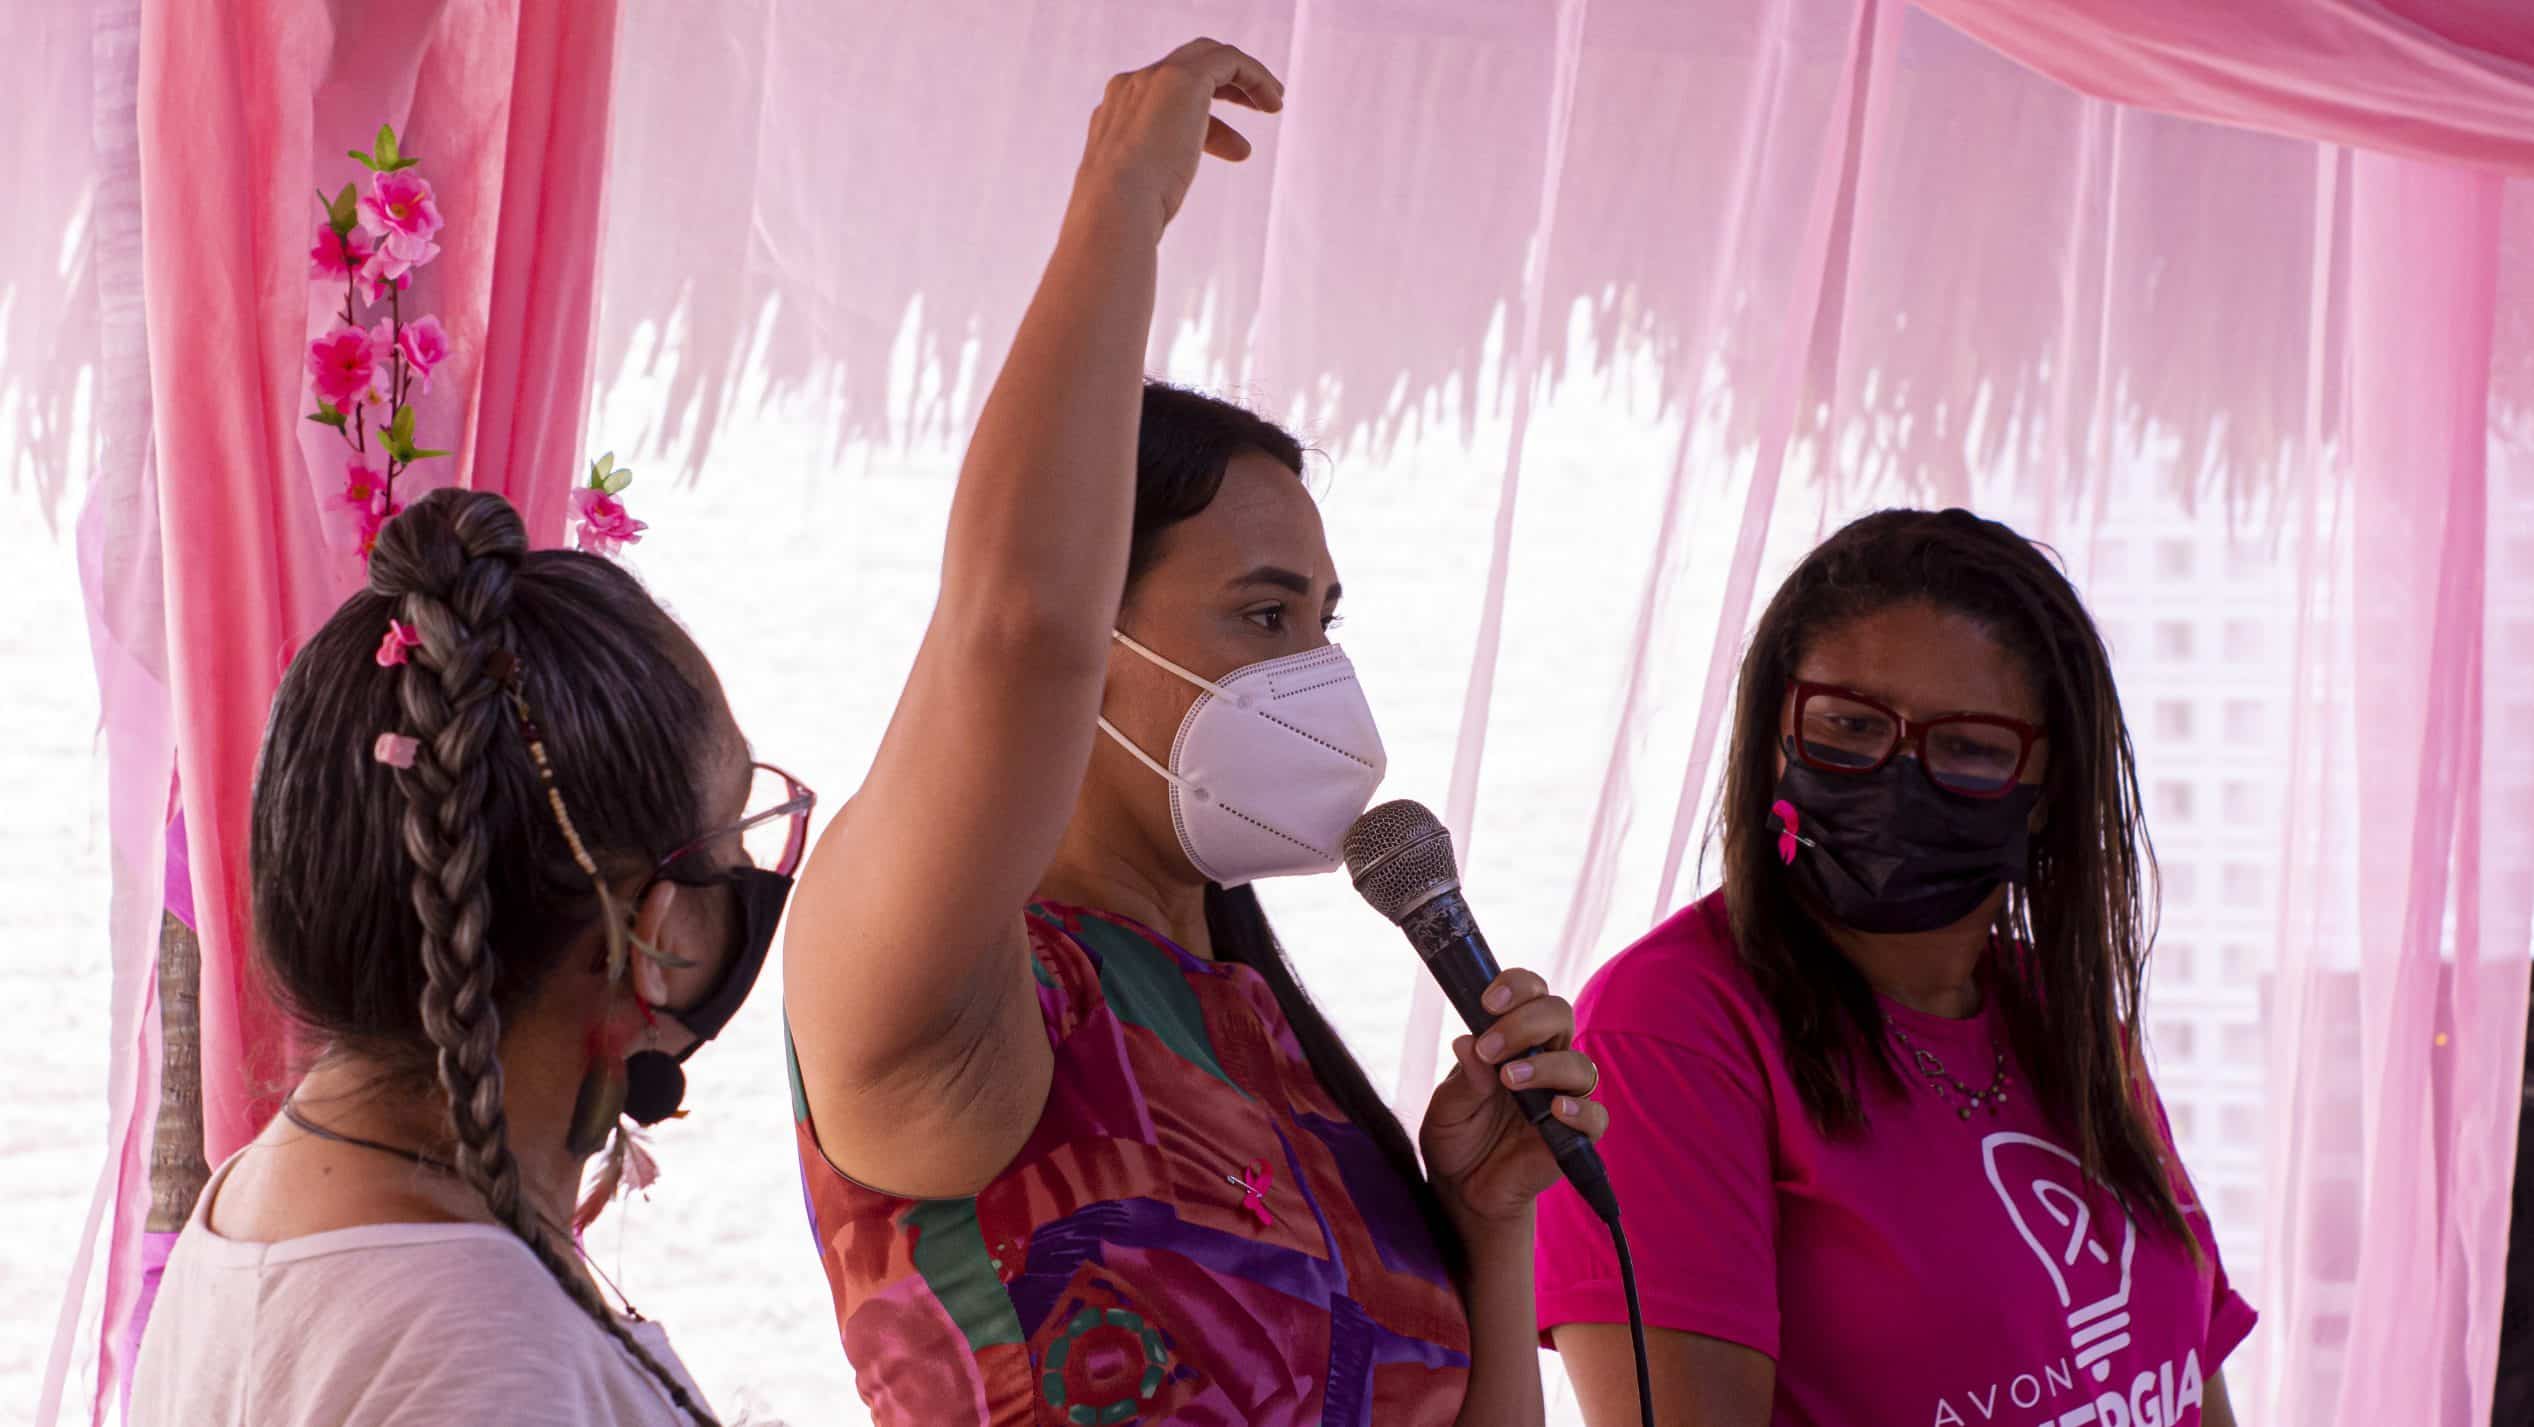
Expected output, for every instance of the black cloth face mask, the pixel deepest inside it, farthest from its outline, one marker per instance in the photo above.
(655, 1081)
(1889, 851)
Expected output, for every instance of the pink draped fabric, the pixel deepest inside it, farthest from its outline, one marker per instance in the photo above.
(247, 106)
(117, 542)
(2443, 80)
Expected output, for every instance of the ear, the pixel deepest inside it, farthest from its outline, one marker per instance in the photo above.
(651, 921)
(2040, 817)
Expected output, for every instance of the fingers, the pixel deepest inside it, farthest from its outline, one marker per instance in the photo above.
(1590, 1117)
(1477, 1074)
(1512, 988)
(1227, 72)
(1543, 1021)
(1567, 1071)
(1225, 142)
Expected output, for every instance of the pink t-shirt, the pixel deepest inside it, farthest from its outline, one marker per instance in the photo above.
(1930, 1272)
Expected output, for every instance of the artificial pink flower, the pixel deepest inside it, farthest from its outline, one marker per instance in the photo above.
(364, 485)
(342, 365)
(400, 637)
(382, 334)
(375, 518)
(325, 258)
(382, 271)
(605, 527)
(400, 210)
(425, 345)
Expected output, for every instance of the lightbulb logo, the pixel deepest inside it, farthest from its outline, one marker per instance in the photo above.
(2044, 1190)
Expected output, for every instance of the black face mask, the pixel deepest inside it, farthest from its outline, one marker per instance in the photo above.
(655, 1083)
(1889, 851)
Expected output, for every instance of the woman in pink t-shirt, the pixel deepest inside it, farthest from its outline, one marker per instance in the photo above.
(1887, 1151)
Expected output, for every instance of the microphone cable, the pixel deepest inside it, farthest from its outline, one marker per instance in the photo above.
(1636, 1315)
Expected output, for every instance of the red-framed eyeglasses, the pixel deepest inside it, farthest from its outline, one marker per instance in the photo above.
(772, 836)
(1975, 755)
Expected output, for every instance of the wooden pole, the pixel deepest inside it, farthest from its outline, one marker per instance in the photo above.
(177, 1169)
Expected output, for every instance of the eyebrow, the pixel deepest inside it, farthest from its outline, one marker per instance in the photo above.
(1283, 579)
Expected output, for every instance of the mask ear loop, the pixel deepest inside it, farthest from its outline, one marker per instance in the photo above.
(1236, 700)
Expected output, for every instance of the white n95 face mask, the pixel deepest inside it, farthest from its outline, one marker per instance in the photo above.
(1271, 766)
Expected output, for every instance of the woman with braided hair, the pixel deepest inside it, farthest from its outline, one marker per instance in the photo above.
(511, 863)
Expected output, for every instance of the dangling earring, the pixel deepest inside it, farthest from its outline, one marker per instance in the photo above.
(600, 1102)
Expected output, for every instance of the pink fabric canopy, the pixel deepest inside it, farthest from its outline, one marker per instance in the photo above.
(2444, 80)
(1822, 253)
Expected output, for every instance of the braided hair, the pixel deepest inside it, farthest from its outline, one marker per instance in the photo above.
(401, 911)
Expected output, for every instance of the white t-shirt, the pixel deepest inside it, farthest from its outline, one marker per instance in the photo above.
(384, 1325)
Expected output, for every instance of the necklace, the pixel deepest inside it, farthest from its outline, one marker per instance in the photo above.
(1932, 1068)
(299, 1118)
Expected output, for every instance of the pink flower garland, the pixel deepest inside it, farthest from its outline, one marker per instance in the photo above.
(372, 241)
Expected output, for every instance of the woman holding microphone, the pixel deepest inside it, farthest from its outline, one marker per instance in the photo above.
(1077, 1148)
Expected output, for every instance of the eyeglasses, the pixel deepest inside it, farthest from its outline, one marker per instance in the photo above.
(772, 837)
(1975, 755)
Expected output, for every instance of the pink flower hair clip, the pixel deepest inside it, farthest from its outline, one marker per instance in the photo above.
(605, 526)
(399, 638)
(396, 750)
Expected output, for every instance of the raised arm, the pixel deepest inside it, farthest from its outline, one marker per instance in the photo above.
(906, 976)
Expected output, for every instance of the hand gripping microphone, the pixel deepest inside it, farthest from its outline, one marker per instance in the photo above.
(1400, 858)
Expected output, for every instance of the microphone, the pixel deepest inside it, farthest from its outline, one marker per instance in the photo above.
(1400, 858)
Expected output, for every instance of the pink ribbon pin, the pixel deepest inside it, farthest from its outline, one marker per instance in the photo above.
(1253, 1183)
(396, 750)
(1788, 820)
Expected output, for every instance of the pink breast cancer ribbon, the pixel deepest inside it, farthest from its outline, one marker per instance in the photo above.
(1253, 1183)
(1788, 820)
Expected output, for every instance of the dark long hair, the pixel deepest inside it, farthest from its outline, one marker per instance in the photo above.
(1181, 450)
(2080, 921)
(401, 914)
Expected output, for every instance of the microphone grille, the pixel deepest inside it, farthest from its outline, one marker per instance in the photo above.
(1400, 857)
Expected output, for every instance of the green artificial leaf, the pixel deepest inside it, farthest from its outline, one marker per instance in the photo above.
(607, 477)
(386, 147)
(327, 416)
(362, 159)
(418, 454)
(345, 209)
(406, 162)
(403, 426)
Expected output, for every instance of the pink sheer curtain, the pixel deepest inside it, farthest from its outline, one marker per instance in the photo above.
(246, 107)
(200, 585)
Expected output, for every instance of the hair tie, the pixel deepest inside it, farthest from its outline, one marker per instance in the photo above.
(396, 750)
(399, 638)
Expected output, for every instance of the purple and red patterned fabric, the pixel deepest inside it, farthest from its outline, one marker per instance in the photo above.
(1194, 1234)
